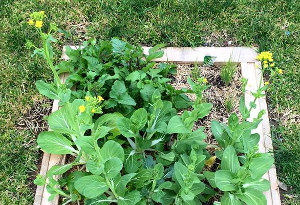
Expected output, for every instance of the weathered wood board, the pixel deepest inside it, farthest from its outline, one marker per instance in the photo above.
(250, 69)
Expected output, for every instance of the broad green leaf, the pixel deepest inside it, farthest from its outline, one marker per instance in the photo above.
(125, 127)
(55, 143)
(210, 176)
(260, 165)
(117, 89)
(131, 198)
(97, 201)
(118, 46)
(62, 120)
(112, 149)
(158, 171)
(197, 188)
(112, 167)
(39, 180)
(217, 130)
(95, 167)
(87, 144)
(155, 52)
(91, 186)
(143, 178)
(64, 95)
(187, 196)
(101, 132)
(176, 125)
(243, 109)
(249, 140)
(223, 180)
(260, 185)
(126, 99)
(229, 199)
(203, 109)
(47, 89)
(133, 163)
(180, 172)
(169, 156)
(182, 101)
(59, 169)
(230, 160)
(233, 121)
(147, 92)
(253, 197)
(121, 182)
(139, 118)
(157, 196)
(134, 76)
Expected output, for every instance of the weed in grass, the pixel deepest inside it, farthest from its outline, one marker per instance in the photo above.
(227, 72)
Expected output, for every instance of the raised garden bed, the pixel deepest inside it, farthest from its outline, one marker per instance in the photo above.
(250, 69)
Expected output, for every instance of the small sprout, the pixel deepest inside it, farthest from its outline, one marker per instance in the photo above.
(81, 108)
(227, 72)
(229, 104)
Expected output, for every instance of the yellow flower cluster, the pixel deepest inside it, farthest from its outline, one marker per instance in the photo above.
(265, 57)
(93, 104)
(36, 19)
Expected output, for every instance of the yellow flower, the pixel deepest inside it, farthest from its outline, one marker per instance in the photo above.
(31, 22)
(81, 108)
(93, 110)
(87, 98)
(205, 80)
(39, 24)
(100, 98)
(280, 71)
(272, 64)
(265, 56)
(267, 83)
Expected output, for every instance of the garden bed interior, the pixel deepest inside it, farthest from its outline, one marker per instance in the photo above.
(186, 59)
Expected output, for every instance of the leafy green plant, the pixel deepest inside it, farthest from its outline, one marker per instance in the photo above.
(128, 143)
(227, 72)
(229, 104)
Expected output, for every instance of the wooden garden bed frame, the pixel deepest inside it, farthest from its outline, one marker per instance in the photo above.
(250, 69)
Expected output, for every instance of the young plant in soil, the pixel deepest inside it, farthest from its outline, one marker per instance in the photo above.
(129, 143)
(227, 72)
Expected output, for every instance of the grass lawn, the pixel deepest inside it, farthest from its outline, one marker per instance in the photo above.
(271, 25)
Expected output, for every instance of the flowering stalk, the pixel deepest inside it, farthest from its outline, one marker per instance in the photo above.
(37, 21)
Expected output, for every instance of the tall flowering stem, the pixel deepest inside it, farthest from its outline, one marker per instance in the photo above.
(36, 20)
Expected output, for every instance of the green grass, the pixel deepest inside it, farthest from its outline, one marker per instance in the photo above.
(174, 22)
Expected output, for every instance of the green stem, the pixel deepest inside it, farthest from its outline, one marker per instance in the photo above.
(112, 188)
(49, 60)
